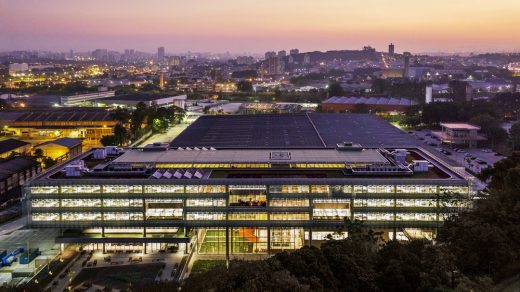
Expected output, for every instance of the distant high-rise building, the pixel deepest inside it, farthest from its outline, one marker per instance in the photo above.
(306, 59)
(100, 54)
(161, 80)
(160, 54)
(18, 67)
(269, 55)
(275, 66)
(406, 72)
(391, 49)
(282, 54)
(294, 52)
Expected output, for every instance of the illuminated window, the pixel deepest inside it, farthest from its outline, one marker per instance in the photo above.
(247, 216)
(454, 189)
(122, 189)
(205, 189)
(163, 189)
(289, 189)
(81, 216)
(123, 216)
(45, 203)
(44, 190)
(122, 203)
(289, 203)
(205, 216)
(380, 189)
(71, 203)
(78, 189)
(205, 203)
(158, 213)
(45, 216)
(416, 189)
(290, 216)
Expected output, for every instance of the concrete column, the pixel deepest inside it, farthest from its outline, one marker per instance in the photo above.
(227, 247)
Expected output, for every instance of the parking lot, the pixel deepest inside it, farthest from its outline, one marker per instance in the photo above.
(474, 160)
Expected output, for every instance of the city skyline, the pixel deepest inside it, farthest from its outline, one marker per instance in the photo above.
(207, 26)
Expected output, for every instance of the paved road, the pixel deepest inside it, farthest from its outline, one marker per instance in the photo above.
(13, 225)
(168, 136)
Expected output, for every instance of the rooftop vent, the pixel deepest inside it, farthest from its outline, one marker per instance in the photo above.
(348, 146)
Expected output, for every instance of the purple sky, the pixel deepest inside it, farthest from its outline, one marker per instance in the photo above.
(260, 25)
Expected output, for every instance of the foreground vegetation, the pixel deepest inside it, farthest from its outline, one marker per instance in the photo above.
(476, 251)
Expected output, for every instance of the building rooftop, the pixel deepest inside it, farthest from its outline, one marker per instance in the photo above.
(303, 130)
(65, 142)
(368, 156)
(14, 165)
(11, 144)
(460, 126)
(346, 161)
(141, 97)
(369, 100)
(59, 115)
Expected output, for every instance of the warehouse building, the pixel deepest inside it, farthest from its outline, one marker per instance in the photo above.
(372, 104)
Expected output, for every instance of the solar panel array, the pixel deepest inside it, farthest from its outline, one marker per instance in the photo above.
(68, 115)
(365, 129)
(315, 130)
(369, 100)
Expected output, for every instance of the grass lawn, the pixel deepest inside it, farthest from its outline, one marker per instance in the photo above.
(118, 277)
(204, 265)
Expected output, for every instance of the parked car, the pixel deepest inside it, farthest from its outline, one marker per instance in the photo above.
(487, 150)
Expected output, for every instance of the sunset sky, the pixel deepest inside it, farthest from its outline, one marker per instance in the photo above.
(258, 25)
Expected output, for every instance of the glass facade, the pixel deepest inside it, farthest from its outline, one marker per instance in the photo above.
(277, 217)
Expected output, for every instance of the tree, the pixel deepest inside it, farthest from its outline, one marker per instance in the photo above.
(109, 140)
(48, 162)
(334, 89)
(138, 118)
(38, 152)
(121, 115)
(486, 240)
(514, 132)
(244, 86)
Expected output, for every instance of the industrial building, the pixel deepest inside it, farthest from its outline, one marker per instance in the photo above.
(373, 104)
(248, 199)
(131, 100)
(89, 125)
(78, 99)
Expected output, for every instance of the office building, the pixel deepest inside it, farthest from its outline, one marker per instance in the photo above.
(282, 54)
(249, 198)
(242, 201)
(160, 54)
(391, 49)
(459, 134)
